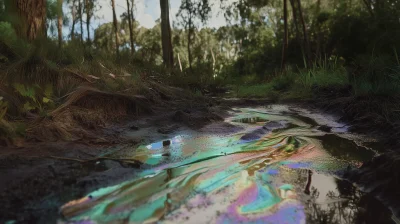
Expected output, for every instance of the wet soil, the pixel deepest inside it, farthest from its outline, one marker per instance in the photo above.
(38, 178)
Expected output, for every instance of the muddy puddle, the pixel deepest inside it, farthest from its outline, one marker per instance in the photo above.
(277, 166)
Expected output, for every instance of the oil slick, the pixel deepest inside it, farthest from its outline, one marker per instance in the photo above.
(222, 179)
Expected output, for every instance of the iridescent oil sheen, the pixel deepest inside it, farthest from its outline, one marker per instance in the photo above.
(267, 177)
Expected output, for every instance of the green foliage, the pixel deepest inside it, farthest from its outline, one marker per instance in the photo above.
(35, 97)
(377, 76)
(9, 38)
(324, 72)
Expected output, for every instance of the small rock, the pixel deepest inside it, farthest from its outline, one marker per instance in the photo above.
(273, 125)
(109, 164)
(166, 154)
(134, 127)
(166, 143)
(181, 116)
(325, 128)
(168, 129)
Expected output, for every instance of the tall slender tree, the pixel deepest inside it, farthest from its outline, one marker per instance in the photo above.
(295, 21)
(168, 55)
(130, 22)
(88, 8)
(285, 35)
(73, 13)
(59, 22)
(305, 33)
(115, 22)
(189, 11)
(81, 19)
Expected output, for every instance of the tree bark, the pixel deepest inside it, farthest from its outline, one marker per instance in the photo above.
(295, 21)
(305, 33)
(190, 41)
(168, 55)
(285, 37)
(81, 19)
(130, 27)
(59, 22)
(88, 16)
(115, 22)
(29, 18)
(180, 64)
(73, 12)
(318, 9)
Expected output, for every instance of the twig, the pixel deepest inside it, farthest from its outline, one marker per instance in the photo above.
(94, 159)
(71, 159)
(80, 76)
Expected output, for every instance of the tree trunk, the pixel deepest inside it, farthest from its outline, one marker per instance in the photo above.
(190, 41)
(59, 22)
(168, 55)
(306, 40)
(180, 64)
(130, 27)
(115, 29)
(295, 21)
(29, 18)
(285, 37)
(318, 9)
(73, 12)
(88, 16)
(81, 19)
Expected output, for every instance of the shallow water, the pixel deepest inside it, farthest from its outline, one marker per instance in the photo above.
(275, 167)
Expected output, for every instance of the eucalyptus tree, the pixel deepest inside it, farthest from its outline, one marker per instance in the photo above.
(27, 17)
(59, 22)
(130, 19)
(189, 12)
(115, 23)
(168, 55)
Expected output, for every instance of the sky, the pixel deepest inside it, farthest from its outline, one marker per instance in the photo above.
(148, 11)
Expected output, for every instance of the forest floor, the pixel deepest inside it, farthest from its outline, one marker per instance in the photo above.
(39, 176)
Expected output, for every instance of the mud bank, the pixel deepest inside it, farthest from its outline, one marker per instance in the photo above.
(375, 116)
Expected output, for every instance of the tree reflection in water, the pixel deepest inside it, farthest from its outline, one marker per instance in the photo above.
(345, 204)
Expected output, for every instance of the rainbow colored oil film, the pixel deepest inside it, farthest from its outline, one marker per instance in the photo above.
(275, 167)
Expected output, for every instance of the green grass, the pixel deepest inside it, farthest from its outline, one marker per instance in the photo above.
(299, 85)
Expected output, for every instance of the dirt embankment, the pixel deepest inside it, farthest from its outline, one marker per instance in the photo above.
(376, 116)
(73, 151)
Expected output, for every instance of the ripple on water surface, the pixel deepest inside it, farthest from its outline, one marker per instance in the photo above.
(285, 172)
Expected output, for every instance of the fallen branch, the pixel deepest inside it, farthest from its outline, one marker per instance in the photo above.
(79, 75)
(95, 159)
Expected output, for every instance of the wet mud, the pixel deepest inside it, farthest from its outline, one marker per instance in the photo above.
(271, 165)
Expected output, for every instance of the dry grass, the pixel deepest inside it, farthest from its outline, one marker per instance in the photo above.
(85, 111)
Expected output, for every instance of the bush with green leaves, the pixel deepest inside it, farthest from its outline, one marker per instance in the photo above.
(35, 98)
